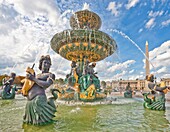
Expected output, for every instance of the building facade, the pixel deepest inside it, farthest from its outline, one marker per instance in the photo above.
(134, 84)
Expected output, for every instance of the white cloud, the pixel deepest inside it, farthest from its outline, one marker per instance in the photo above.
(165, 23)
(162, 70)
(140, 30)
(121, 66)
(160, 57)
(114, 7)
(35, 25)
(131, 71)
(134, 77)
(110, 70)
(166, 76)
(155, 14)
(160, 2)
(6, 61)
(103, 65)
(151, 23)
(8, 17)
(141, 73)
(32, 8)
(119, 75)
(131, 3)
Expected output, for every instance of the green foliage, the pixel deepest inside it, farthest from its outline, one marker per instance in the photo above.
(103, 84)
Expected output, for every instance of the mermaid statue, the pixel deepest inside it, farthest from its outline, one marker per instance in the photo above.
(155, 99)
(40, 110)
(8, 89)
(128, 91)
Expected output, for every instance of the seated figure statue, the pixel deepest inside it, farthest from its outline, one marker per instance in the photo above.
(7, 84)
(40, 110)
(84, 80)
(7, 88)
(93, 78)
(89, 77)
(155, 99)
(128, 91)
(72, 78)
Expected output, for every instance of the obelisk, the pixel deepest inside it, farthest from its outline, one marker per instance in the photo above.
(147, 68)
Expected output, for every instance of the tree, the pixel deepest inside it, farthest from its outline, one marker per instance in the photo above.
(103, 84)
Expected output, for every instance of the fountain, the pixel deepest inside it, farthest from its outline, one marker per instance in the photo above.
(82, 45)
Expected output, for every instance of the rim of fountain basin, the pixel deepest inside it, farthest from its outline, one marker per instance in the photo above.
(104, 43)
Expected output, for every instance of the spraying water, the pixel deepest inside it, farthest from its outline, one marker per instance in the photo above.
(76, 18)
(125, 36)
(65, 13)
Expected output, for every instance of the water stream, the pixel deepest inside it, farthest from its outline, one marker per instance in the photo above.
(127, 37)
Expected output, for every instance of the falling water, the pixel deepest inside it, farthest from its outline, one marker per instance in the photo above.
(69, 34)
(125, 36)
(76, 18)
(65, 13)
(90, 36)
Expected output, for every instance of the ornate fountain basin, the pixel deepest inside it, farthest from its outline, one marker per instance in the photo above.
(94, 45)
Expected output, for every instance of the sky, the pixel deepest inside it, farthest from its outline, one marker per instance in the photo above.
(27, 26)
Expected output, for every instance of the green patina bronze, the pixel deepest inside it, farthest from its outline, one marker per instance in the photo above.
(8, 89)
(128, 91)
(128, 94)
(158, 103)
(155, 99)
(83, 44)
(93, 38)
(40, 109)
(5, 95)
